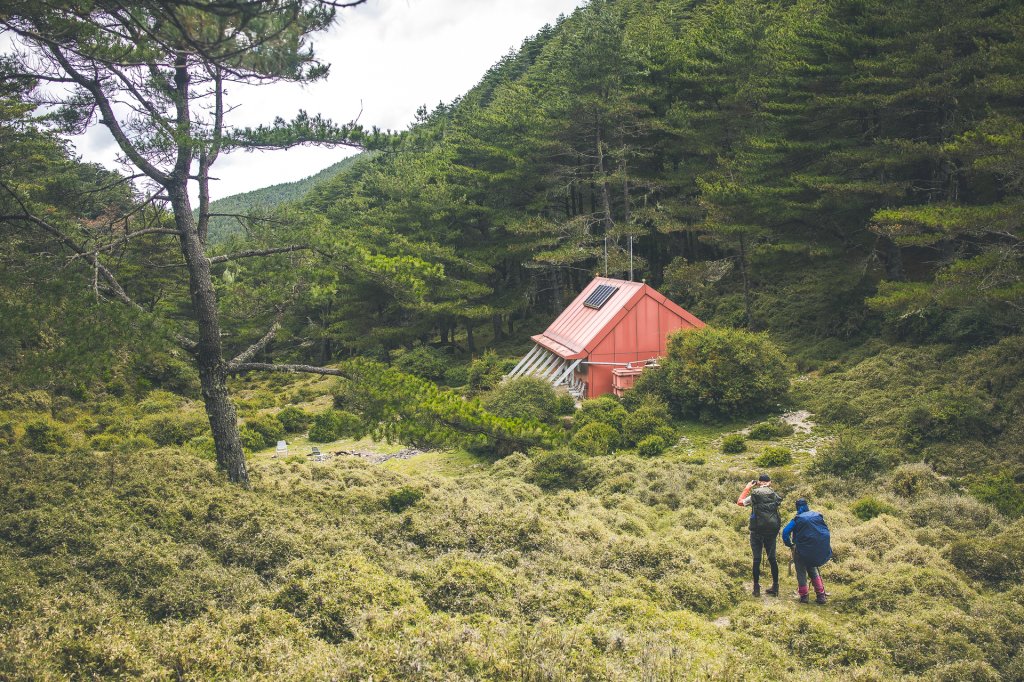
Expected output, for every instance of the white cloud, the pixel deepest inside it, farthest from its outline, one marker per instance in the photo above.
(387, 58)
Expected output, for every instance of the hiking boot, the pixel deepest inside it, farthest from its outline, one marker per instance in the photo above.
(821, 598)
(803, 598)
(773, 590)
(757, 590)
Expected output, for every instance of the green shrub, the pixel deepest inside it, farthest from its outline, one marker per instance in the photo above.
(486, 372)
(734, 443)
(252, 440)
(867, 508)
(37, 401)
(959, 512)
(721, 372)
(403, 498)
(341, 597)
(6, 433)
(774, 457)
(604, 410)
(168, 372)
(260, 400)
(651, 446)
(159, 401)
(424, 361)
(851, 456)
(553, 469)
(105, 442)
(202, 446)
(839, 411)
(651, 387)
(523, 398)
(945, 416)
(468, 586)
(770, 430)
(565, 404)
(456, 375)
(1002, 492)
(325, 428)
(140, 443)
(596, 439)
(998, 558)
(915, 479)
(268, 427)
(293, 419)
(647, 421)
(44, 435)
(334, 424)
(173, 428)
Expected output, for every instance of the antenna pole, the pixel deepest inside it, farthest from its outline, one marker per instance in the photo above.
(606, 255)
(630, 258)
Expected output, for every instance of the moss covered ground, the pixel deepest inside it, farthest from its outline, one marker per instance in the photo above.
(122, 558)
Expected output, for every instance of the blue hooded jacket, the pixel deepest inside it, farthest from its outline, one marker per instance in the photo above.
(815, 547)
(787, 532)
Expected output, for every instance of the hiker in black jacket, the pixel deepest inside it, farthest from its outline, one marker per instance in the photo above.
(764, 527)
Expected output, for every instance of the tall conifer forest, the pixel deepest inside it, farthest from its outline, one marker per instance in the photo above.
(269, 437)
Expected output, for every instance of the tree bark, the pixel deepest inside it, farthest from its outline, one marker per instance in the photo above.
(892, 258)
(606, 201)
(746, 280)
(209, 351)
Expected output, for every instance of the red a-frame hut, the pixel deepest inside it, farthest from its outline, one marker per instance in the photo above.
(603, 340)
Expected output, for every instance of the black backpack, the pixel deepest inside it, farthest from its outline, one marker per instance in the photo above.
(765, 520)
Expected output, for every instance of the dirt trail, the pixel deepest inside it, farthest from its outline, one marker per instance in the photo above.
(372, 456)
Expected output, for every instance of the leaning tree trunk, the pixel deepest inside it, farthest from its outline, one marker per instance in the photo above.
(209, 351)
(747, 303)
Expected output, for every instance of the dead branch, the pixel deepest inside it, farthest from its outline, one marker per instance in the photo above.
(255, 253)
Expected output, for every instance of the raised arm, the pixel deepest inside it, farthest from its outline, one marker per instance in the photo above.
(744, 499)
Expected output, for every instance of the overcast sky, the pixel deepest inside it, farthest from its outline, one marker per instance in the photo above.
(387, 58)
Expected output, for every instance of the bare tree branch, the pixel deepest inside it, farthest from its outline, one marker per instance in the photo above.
(254, 253)
(292, 369)
(255, 348)
(128, 237)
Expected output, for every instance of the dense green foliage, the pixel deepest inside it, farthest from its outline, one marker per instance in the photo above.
(715, 372)
(774, 457)
(527, 398)
(770, 164)
(734, 443)
(770, 430)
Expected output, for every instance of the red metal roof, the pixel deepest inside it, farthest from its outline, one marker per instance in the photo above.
(579, 329)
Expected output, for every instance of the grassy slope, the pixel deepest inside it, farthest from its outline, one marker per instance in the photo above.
(143, 563)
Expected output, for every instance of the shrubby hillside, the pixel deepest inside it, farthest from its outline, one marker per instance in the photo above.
(121, 559)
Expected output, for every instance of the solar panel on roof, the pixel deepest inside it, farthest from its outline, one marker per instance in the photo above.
(599, 296)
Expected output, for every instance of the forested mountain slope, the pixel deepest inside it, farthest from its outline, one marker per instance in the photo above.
(233, 212)
(863, 153)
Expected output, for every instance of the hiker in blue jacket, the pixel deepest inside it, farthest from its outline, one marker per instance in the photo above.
(809, 539)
